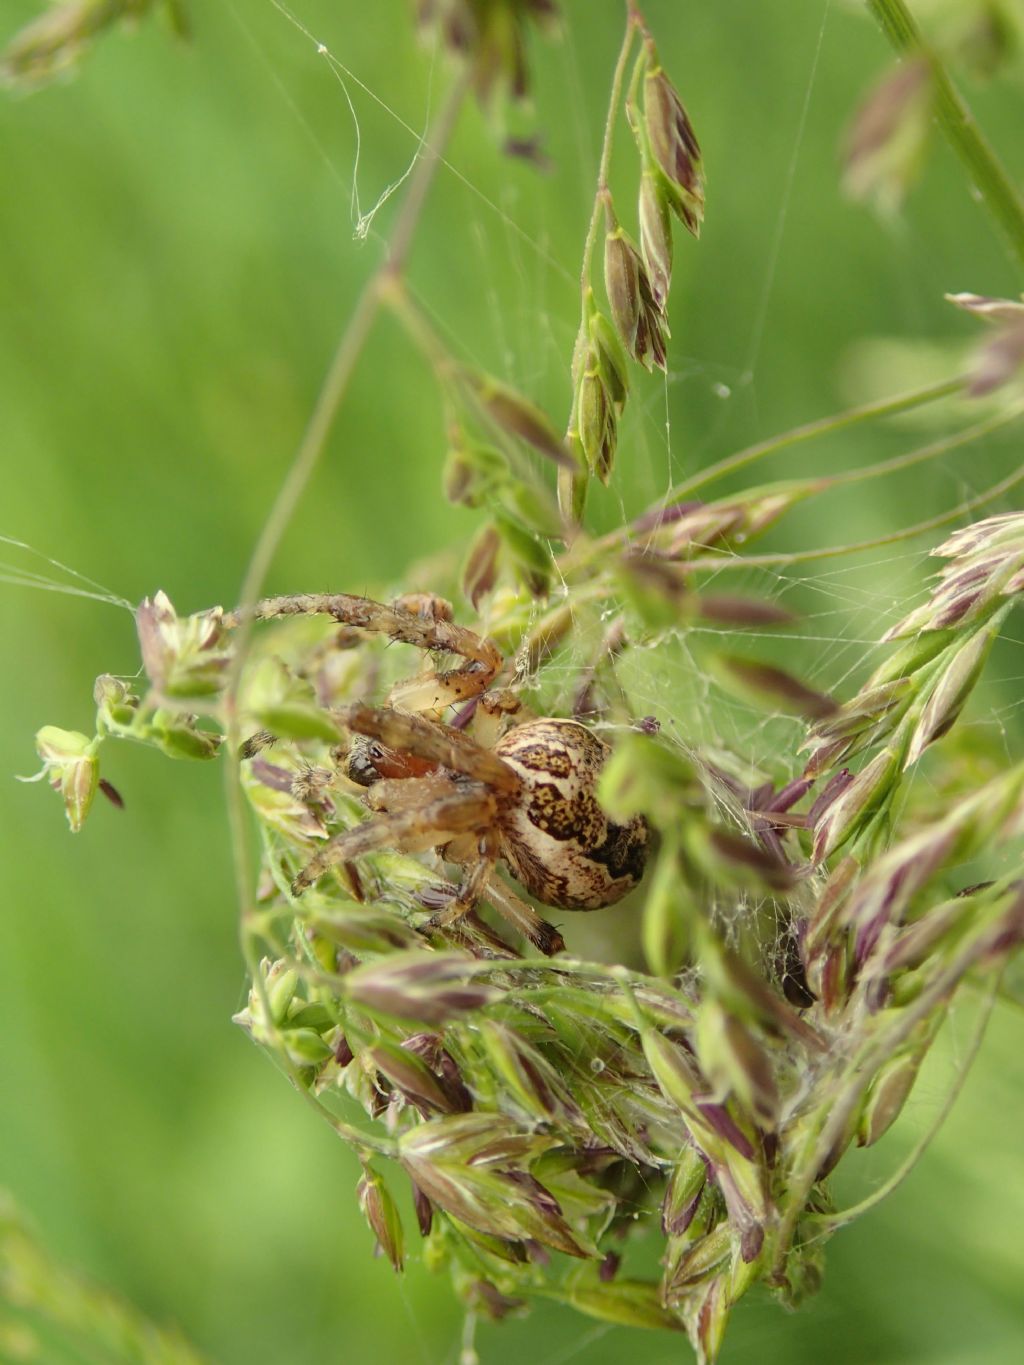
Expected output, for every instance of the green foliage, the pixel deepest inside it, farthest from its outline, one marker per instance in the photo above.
(777, 921)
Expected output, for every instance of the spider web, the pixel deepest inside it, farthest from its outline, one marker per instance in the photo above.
(844, 607)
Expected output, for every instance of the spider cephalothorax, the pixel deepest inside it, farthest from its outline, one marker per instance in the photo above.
(530, 800)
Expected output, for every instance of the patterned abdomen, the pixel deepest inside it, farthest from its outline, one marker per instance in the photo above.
(556, 839)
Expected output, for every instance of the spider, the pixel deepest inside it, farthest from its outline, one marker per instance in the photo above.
(528, 801)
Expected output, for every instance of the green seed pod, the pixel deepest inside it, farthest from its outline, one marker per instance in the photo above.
(293, 720)
(480, 571)
(668, 914)
(380, 1212)
(78, 784)
(951, 690)
(71, 765)
(303, 1046)
(610, 358)
(473, 472)
(656, 235)
(710, 1317)
(704, 1259)
(628, 1303)
(518, 417)
(529, 554)
(856, 804)
(673, 144)
(281, 982)
(683, 1193)
(595, 421)
(533, 505)
(888, 1094)
(747, 1264)
(622, 283)
(116, 704)
(179, 737)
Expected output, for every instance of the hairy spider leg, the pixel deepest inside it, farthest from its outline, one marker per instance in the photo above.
(426, 631)
(407, 733)
(473, 883)
(483, 883)
(522, 916)
(463, 811)
(473, 933)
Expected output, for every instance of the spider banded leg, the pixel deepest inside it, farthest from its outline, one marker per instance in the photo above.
(522, 917)
(473, 884)
(483, 883)
(427, 631)
(405, 733)
(409, 831)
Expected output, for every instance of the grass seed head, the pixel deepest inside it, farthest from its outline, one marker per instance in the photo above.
(655, 236)
(673, 144)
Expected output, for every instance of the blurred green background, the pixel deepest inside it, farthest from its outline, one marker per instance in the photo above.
(176, 262)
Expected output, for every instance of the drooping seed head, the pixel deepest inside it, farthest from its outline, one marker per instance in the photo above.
(595, 420)
(622, 283)
(673, 144)
(655, 236)
(71, 766)
(609, 358)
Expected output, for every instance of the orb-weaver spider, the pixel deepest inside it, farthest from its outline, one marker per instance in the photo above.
(528, 801)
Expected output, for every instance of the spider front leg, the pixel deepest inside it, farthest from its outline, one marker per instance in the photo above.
(402, 736)
(429, 629)
(462, 811)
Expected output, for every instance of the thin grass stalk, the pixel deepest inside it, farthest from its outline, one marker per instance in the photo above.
(997, 191)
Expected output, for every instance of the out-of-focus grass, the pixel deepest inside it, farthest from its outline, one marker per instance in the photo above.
(177, 260)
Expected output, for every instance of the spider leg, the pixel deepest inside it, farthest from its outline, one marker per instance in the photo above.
(410, 831)
(477, 936)
(394, 794)
(429, 630)
(406, 733)
(493, 713)
(483, 883)
(523, 918)
(472, 887)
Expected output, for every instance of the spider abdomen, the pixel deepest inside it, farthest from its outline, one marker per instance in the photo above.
(556, 839)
